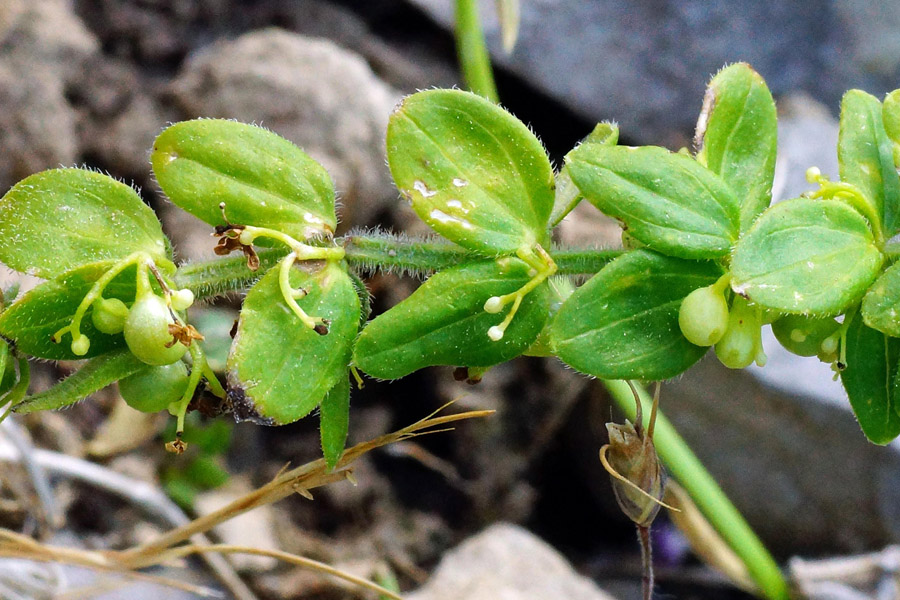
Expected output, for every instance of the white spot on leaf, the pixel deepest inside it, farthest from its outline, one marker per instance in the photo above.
(420, 187)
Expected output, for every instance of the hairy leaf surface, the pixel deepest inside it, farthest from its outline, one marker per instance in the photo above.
(668, 201)
(471, 170)
(279, 370)
(95, 375)
(806, 256)
(444, 322)
(737, 135)
(865, 155)
(41, 312)
(61, 219)
(870, 380)
(334, 421)
(623, 323)
(263, 179)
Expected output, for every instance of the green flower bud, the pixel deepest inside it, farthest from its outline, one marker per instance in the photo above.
(703, 316)
(109, 315)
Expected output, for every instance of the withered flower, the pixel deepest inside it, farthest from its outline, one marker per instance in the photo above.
(639, 480)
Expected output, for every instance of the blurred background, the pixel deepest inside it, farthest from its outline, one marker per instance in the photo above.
(92, 82)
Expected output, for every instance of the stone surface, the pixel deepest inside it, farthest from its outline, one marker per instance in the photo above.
(506, 562)
(645, 63)
(43, 46)
(321, 97)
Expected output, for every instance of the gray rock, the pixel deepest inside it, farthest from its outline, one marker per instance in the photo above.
(310, 91)
(42, 47)
(506, 562)
(645, 63)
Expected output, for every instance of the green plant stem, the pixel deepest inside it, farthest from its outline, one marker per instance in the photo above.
(684, 465)
(474, 59)
(370, 253)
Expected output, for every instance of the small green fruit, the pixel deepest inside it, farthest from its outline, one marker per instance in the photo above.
(147, 332)
(155, 388)
(742, 343)
(804, 335)
(109, 315)
(703, 316)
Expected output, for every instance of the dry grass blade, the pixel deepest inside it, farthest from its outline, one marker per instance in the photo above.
(167, 546)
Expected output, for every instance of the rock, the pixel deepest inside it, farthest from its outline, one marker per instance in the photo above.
(42, 47)
(254, 529)
(645, 64)
(119, 116)
(506, 562)
(321, 97)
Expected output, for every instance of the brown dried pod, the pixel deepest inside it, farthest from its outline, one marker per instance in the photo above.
(638, 478)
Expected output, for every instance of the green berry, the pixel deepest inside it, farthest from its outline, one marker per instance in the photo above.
(147, 332)
(742, 343)
(804, 336)
(155, 388)
(703, 316)
(109, 315)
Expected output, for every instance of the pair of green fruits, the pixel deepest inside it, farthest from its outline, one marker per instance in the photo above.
(705, 319)
(145, 327)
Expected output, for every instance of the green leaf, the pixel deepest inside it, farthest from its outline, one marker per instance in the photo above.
(870, 381)
(471, 170)
(623, 323)
(444, 322)
(890, 114)
(881, 304)
(668, 201)
(567, 195)
(806, 256)
(263, 179)
(278, 369)
(334, 421)
(7, 368)
(41, 312)
(57, 220)
(95, 375)
(865, 155)
(737, 136)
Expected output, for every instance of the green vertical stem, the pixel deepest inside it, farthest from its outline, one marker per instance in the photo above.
(684, 465)
(474, 59)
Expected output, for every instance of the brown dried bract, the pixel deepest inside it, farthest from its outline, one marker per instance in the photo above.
(229, 242)
(176, 446)
(184, 333)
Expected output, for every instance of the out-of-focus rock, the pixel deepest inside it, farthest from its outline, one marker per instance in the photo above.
(506, 561)
(119, 116)
(254, 529)
(848, 577)
(42, 48)
(318, 95)
(645, 63)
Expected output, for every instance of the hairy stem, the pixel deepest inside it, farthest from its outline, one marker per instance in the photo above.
(684, 465)
(369, 253)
